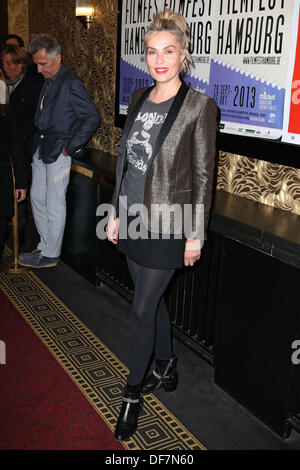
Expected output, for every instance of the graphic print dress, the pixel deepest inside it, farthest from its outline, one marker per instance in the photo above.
(153, 253)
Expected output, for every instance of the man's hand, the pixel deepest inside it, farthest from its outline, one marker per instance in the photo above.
(192, 251)
(20, 194)
(112, 229)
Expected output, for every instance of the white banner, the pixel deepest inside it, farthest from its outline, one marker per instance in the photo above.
(241, 51)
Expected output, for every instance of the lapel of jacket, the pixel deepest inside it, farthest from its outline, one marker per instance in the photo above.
(56, 85)
(53, 90)
(134, 112)
(172, 115)
(128, 125)
(40, 99)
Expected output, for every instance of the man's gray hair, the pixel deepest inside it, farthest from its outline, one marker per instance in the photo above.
(44, 41)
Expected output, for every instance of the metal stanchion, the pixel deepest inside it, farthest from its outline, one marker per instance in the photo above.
(10, 264)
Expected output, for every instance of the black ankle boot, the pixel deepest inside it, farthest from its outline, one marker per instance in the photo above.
(164, 375)
(130, 409)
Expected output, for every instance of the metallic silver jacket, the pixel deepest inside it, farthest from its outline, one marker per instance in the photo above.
(182, 167)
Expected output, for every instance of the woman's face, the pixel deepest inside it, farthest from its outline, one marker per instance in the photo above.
(11, 69)
(164, 56)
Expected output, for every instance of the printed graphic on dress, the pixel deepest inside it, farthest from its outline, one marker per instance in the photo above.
(139, 147)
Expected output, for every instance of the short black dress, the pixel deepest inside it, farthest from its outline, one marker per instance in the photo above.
(155, 253)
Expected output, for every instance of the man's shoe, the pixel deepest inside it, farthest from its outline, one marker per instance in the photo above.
(129, 414)
(163, 376)
(37, 260)
(25, 257)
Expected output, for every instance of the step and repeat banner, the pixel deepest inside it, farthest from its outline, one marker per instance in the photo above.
(246, 56)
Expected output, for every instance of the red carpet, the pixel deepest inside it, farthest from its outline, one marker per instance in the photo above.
(40, 406)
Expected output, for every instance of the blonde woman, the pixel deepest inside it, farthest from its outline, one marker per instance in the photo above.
(166, 157)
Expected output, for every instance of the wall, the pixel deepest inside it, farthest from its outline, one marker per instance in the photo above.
(275, 185)
(3, 18)
(92, 54)
(17, 12)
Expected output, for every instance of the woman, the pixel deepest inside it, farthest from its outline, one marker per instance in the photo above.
(166, 158)
(10, 146)
(14, 63)
(24, 91)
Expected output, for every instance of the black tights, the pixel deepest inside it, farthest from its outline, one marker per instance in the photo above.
(150, 323)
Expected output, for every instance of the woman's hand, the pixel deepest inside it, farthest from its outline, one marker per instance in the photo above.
(192, 251)
(112, 229)
(20, 194)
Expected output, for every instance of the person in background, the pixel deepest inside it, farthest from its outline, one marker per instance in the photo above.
(65, 119)
(15, 40)
(166, 158)
(11, 151)
(14, 64)
(24, 91)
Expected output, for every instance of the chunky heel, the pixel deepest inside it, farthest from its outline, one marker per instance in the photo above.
(164, 376)
(170, 383)
(128, 418)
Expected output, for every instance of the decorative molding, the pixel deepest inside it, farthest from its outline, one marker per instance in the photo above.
(18, 21)
(264, 182)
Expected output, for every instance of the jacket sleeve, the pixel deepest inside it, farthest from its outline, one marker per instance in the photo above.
(203, 163)
(17, 150)
(114, 202)
(87, 114)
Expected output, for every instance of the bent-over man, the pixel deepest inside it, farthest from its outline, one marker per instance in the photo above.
(65, 119)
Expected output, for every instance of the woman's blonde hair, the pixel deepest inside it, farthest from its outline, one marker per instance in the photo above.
(176, 24)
